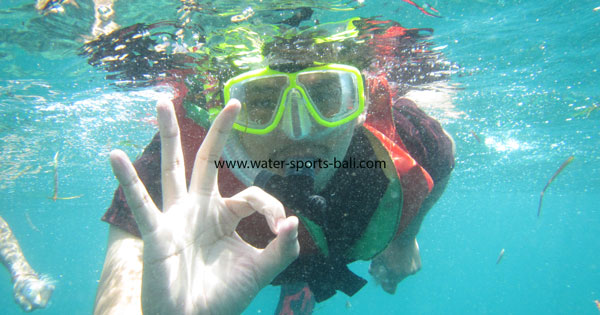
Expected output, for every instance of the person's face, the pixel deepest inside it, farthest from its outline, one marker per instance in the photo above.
(297, 134)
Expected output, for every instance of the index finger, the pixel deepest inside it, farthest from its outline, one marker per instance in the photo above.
(254, 199)
(204, 174)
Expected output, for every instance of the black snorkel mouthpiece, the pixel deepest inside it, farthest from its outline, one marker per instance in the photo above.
(296, 189)
(293, 167)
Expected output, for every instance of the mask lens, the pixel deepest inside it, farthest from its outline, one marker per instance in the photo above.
(260, 98)
(333, 93)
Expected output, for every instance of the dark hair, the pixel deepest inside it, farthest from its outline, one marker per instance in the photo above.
(404, 55)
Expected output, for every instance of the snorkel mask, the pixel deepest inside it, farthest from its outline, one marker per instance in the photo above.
(331, 94)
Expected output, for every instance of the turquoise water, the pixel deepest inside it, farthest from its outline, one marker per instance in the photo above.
(529, 72)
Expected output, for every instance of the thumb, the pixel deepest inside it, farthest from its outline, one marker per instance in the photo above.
(280, 252)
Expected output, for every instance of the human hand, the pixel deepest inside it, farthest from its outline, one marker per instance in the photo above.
(398, 261)
(32, 292)
(194, 261)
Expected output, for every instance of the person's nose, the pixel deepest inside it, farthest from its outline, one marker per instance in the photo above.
(296, 122)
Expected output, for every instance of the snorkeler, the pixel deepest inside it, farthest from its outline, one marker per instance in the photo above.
(31, 291)
(332, 92)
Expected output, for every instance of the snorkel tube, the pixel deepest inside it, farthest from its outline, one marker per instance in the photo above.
(296, 189)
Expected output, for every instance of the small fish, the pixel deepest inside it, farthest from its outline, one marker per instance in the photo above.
(562, 167)
(597, 304)
(475, 136)
(500, 256)
(67, 198)
(55, 164)
(31, 222)
(348, 305)
(55, 196)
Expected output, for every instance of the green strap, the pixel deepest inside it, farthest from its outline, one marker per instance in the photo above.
(379, 232)
(382, 227)
(317, 234)
(199, 115)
